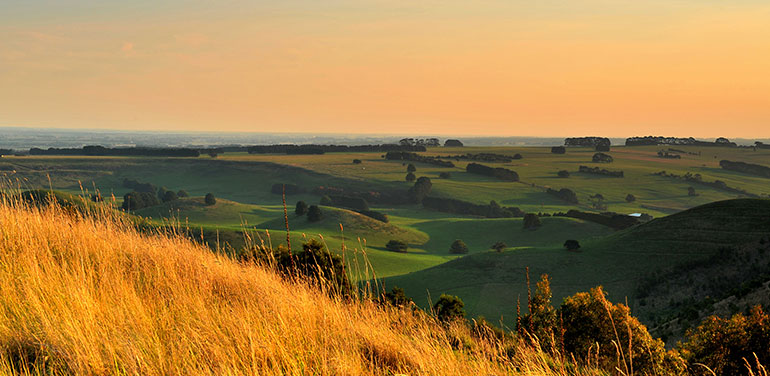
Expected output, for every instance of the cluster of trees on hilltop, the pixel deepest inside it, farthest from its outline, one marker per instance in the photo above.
(697, 178)
(455, 206)
(660, 140)
(587, 141)
(321, 149)
(427, 142)
(746, 168)
(565, 194)
(495, 172)
(600, 171)
(609, 219)
(483, 157)
(96, 150)
(414, 157)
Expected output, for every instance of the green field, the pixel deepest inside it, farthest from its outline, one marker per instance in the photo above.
(489, 282)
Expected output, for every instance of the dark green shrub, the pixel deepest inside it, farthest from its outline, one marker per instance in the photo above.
(531, 221)
(572, 245)
(396, 246)
(410, 177)
(170, 196)
(630, 198)
(411, 168)
(396, 298)
(326, 201)
(300, 208)
(314, 213)
(182, 194)
(449, 308)
(499, 246)
(356, 161)
(563, 174)
(458, 246)
(210, 199)
(445, 175)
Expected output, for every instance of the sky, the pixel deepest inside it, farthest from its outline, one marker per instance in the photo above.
(612, 68)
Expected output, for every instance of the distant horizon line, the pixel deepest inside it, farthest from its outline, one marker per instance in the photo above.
(347, 134)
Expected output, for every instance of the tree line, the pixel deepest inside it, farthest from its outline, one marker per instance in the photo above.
(96, 150)
(321, 149)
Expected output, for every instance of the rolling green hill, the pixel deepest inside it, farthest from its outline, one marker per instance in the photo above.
(491, 282)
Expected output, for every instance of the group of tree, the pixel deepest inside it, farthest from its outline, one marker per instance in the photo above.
(564, 194)
(587, 141)
(145, 195)
(344, 201)
(321, 149)
(414, 157)
(496, 172)
(97, 150)
(426, 142)
(609, 219)
(746, 168)
(660, 140)
(396, 246)
(698, 179)
(455, 206)
(531, 221)
(602, 158)
(666, 155)
(558, 150)
(453, 143)
(482, 157)
(600, 171)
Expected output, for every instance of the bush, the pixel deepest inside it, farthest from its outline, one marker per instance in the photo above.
(563, 174)
(722, 344)
(356, 161)
(449, 308)
(572, 245)
(445, 175)
(325, 201)
(138, 200)
(382, 217)
(517, 156)
(558, 150)
(565, 194)
(301, 208)
(210, 199)
(170, 196)
(531, 221)
(314, 213)
(630, 198)
(458, 247)
(162, 193)
(452, 143)
(396, 298)
(420, 189)
(499, 246)
(410, 177)
(396, 246)
(691, 192)
(182, 194)
(602, 158)
(589, 318)
(411, 168)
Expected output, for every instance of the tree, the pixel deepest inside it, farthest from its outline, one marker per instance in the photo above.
(531, 221)
(630, 198)
(170, 196)
(722, 343)
(210, 199)
(396, 298)
(182, 194)
(563, 174)
(517, 156)
(410, 177)
(691, 192)
(301, 208)
(602, 158)
(325, 267)
(420, 189)
(162, 193)
(499, 246)
(458, 246)
(356, 161)
(572, 245)
(452, 143)
(411, 168)
(325, 201)
(314, 213)
(449, 308)
(396, 246)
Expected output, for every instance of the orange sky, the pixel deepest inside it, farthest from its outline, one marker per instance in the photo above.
(508, 67)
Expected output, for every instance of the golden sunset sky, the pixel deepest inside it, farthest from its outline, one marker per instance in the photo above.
(484, 67)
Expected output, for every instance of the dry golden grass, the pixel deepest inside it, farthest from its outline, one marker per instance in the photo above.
(90, 295)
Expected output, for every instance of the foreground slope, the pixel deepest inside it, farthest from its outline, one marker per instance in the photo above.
(92, 296)
(491, 282)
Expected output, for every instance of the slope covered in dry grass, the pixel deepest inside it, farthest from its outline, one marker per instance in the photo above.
(90, 295)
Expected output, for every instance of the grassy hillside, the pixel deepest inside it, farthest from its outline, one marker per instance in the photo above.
(100, 298)
(491, 282)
